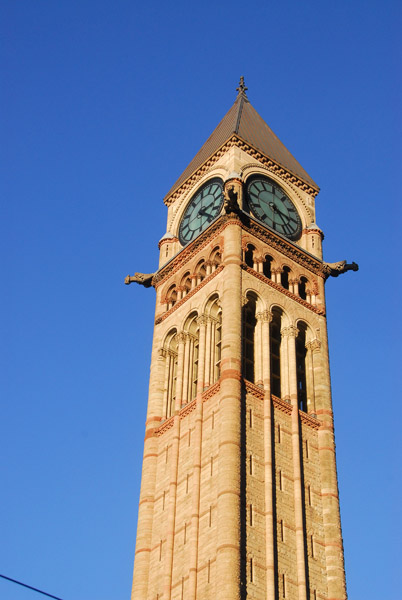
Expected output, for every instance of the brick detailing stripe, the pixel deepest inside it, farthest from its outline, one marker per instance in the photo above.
(225, 546)
(233, 492)
(142, 550)
(231, 374)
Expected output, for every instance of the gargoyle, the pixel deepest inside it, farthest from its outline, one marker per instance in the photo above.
(230, 203)
(144, 279)
(337, 268)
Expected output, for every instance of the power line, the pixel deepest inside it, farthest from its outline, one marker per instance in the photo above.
(30, 587)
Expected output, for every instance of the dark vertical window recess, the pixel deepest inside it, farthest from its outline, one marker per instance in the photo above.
(301, 366)
(275, 342)
(249, 323)
(266, 267)
(285, 278)
(302, 288)
(249, 256)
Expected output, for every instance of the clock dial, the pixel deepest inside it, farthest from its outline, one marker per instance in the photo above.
(269, 203)
(202, 210)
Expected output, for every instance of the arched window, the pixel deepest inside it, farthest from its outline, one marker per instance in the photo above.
(249, 324)
(185, 284)
(301, 366)
(285, 277)
(249, 256)
(275, 352)
(171, 296)
(169, 353)
(266, 267)
(215, 257)
(200, 271)
(302, 288)
(190, 377)
(213, 342)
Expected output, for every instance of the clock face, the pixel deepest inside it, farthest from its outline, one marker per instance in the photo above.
(269, 204)
(203, 208)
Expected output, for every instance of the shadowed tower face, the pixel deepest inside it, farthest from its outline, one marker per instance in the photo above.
(239, 494)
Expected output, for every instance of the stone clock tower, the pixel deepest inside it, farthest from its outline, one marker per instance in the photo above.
(239, 493)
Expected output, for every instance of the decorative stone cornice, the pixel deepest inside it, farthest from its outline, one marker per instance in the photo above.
(235, 140)
(169, 240)
(309, 420)
(286, 248)
(316, 309)
(168, 424)
(282, 405)
(211, 391)
(254, 390)
(189, 295)
(187, 409)
(189, 251)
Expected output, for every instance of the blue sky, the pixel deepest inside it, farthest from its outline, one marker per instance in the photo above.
(103, 105)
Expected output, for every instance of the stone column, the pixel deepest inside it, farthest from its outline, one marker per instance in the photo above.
(228, 534)
(269, 478)
(291, 333)
(197, 441)
(329, 482)
(258, 360)
(208, 351)
(146, 506)
(174, 460)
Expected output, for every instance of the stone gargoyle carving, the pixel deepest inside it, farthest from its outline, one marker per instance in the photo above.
(337, 268)
(230, 203)
(144, 279)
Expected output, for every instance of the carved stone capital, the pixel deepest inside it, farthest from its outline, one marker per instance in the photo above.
(264, 316)
(182, 337)
(314, 345)
(203, 319)
(290, 331)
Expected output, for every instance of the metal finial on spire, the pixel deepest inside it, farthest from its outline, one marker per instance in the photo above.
(242, 88)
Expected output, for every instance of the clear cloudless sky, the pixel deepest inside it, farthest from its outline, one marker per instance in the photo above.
(103, 105)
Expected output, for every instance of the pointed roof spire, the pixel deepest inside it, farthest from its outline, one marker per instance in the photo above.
(242, 88)
(243, 125)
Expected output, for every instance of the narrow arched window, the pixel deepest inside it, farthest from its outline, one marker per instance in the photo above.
(285, 277)
(170, 354)
(200, 272)
(266, 267)
(249, 256)
(302, 288)
(215, 257)
(192, 367)
(275, 348)
(249, 324)
(301, 366)
(171, 297)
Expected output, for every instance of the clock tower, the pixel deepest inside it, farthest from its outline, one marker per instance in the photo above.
(239, 494)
